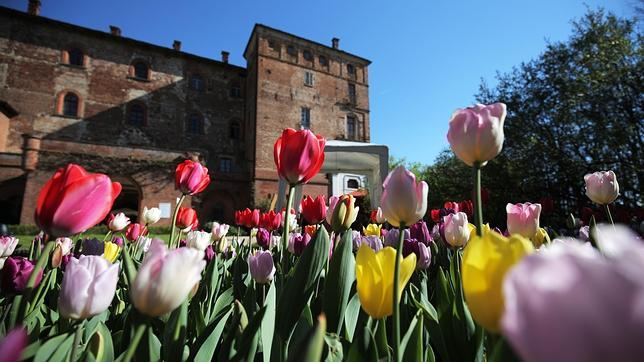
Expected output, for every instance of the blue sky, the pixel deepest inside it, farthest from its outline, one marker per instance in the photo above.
(428, 56)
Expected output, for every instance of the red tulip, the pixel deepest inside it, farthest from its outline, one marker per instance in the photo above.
(239, 218)
(74, 200)
(547, 205)
(452, 205)
(134, 231)
(253, 219)
(436, 215)
(187, 217)
(191, 177)
(467, 207)
(298, 155)
(271, 220)
(314, 211)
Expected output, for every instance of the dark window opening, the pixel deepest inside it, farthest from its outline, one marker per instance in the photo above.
(291, 50)
(235, 92)
(352, 93)
(307, 55)
(235, 131)
(225, 165)
(308, 78)
(195, 125)
(196, 82)
(353, 184)
(305, 121)
(141, 70)
(351, 127)
(324, 61)
(273, 44)
(76, 57)
(351, 69)
(136, 115)
(70, 105)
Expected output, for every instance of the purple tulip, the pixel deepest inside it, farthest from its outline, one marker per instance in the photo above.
(12, 345)
(92, 246)
(261, 266)
(263, 238)
(568, 302)
(88, 287)
(391, 239)
(209, 253)
(372, 241)
(297, 243)
(118, 241)
(423, 254)
(420, 232)
(15, 274)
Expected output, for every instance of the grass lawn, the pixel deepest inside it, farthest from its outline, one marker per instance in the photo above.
(25, 240)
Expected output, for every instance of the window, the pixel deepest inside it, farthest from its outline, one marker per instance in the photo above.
(140, 70)
(70, 105)
(291, 50)
(225, 165)
(307, 55)
(235, 92)
(195, 125)
(196, 82)
(136, 115)
(273, 44)
(351, 69)
(352, 93)
(234, 130)
(351, 127)
(353, 183)
(76, 57)
(324, 61)
(308, 78)
(305, 121)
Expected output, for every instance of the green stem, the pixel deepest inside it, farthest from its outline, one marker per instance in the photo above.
(285, 230)
(77, 340)
(610, 217)
(40, 265)
(174, 220)
(396, 301)
(138, 333)
(478, 207)
(109, 232)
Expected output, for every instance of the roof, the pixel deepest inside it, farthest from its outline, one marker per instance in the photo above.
(106, 35)
(257, 26)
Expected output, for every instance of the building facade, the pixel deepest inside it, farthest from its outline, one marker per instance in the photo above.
(133, 110)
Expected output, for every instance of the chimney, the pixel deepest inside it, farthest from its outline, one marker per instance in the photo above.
(224, 56)
(34, 7)
(335, 42)
(176, 45)
(115, 30)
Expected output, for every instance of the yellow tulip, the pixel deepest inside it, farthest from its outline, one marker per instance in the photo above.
(375, 278)
(372, 230)
(111, 251)
(540, 237)
(485, 227)
(486, 260)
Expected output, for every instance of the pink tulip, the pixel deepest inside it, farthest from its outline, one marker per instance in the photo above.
(523, 219)
(191, 177)
(403, 201)
(134, 231)
(261, 266)
(7, 246)
(476, 133)
(333, 201)
(12, 345)
(88, 287)
(298, 155)
(73, 201)
(602, 187)
(165, 278)
(456, 229)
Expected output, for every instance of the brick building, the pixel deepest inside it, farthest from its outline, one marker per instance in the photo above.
(134, 110)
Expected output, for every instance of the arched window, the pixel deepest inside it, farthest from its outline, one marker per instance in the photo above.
(76, 57)
(351, 127)
(70, 105)
(195, 124)
(234, 130)
(140, 70)
(136, 115)
(353, 183)
(196, 82)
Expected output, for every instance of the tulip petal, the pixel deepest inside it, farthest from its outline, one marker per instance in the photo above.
(102, 290)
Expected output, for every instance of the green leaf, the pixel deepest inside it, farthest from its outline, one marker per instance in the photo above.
(310, 350)
(224, 301)
(100, 344)
(55, 349)
(268, 323)
(174, 336)
(351, 315)
(502, 352)
(412, 342)
(130, 269)
(247, 343)
(300, 285)
(337, 286)
(211, 337)
(334, 352)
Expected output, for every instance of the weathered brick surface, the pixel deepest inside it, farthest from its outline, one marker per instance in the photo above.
(271, 92)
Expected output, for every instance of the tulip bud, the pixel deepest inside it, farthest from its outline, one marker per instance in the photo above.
(377, 217)
(333, 201)
(602, 187)
(420, 232)
(298, 155)
(584, 233)
(118, 222)
(263, 238)
(191, 177)
(165, 278)
(345, 213)
(151, 216)
(16, 273)
(540, 237)
(404, 201)
(7, 246)
(198, 240)
(423, 254)
(297, 243)
(12, 345)
(219, 231)
(88, 287)
(144, 243)
(456, 229)
(314, 211)
(134, 231)
(476, 133)
(271, 220)
(372, 229)
(523, 219)
(111, 251)
(187, 218)
(261, 266)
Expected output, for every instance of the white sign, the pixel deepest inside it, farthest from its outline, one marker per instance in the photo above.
(165, 210)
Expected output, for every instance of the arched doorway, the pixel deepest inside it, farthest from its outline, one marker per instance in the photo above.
(129, 199)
